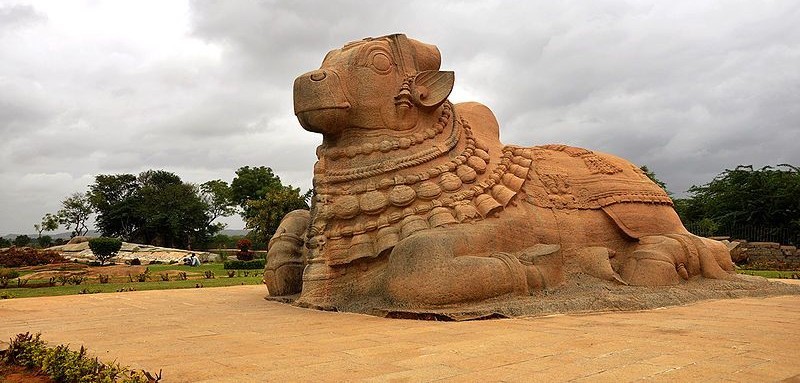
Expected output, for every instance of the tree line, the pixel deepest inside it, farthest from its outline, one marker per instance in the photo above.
(156, 207)
(745, 203)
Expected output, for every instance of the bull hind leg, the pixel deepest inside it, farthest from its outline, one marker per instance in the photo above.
(283, 272)
(660, 260)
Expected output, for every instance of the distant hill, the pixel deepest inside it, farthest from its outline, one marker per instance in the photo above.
(94, 233)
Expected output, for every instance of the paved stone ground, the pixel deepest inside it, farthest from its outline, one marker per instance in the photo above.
(233, 335)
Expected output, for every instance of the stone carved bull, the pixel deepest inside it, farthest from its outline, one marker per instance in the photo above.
(419, 206)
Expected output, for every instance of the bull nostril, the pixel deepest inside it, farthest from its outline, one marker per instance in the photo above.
(319, 76)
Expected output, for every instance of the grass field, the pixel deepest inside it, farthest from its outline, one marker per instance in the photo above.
(196, 278)
(770, 273)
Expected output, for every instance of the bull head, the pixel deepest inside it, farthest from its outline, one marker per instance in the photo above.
(388, 82)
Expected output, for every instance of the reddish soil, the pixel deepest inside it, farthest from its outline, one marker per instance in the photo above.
(17, 374)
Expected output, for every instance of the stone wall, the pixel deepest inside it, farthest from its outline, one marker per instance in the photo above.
(764, 255)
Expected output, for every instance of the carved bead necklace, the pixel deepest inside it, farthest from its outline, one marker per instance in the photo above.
(391, 144)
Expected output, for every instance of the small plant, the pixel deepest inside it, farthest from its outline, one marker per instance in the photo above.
(6, 275)
(209, 274)
(21, 282)
(182, 276)
(145, 276)
(87, 291)
(103, 278)
(76, 279)
(231, 273)
(65, 365)
(104, 248)
(52, 281)
(6, 295)
(164, 277)
(136, 262)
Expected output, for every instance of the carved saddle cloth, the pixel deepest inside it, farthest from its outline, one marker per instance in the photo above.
(565, 177)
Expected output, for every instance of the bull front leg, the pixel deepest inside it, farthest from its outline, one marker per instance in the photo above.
(286, 256)
(445, 266)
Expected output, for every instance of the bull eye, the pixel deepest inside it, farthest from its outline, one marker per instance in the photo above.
(381, 62)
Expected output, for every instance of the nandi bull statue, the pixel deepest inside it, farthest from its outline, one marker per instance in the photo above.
(419, 207)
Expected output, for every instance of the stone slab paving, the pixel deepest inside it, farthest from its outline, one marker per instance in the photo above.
(233, 335)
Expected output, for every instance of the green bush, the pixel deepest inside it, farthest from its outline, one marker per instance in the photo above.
(255, 264)
(6, 275)
(104, 248)
(65, 365)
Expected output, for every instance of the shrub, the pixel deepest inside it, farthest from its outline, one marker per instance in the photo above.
(65, 365)
(45, 241)
(182, 276)
(104, 248)
(244, 265)
(136, 262)
(244, 244)
(6, 275)
(244, 253)
(104, 278)
(22, 240)
(26, 256)
(145, 276)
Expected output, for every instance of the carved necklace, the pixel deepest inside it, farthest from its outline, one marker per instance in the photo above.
(391, 143)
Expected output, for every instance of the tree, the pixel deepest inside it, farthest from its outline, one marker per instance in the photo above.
(75, 212)
(115, 199)
(49, 223)
(766, 197)
(104, 248)
(264, 200)
(221, 241)
(218, 197)
(45, 241)
(22, 240)
(253, 184)
(652, 176)
(267, 212)
(157, 207)
(4, 242)
(172, 212)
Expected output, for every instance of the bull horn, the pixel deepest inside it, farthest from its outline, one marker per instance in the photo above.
(431, 87)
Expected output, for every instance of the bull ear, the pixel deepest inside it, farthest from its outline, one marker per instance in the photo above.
(431, 87)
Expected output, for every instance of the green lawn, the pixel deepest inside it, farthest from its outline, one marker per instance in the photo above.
(196, 278)
(770, 273)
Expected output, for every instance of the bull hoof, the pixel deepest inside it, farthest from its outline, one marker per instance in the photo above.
(650, 267)
(543, 266)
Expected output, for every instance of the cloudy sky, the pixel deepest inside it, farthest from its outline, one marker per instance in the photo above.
(201, 88)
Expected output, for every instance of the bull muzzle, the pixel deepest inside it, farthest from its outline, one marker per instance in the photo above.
(320, 103)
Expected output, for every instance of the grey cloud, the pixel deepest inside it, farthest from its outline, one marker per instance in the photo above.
(17, 16)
